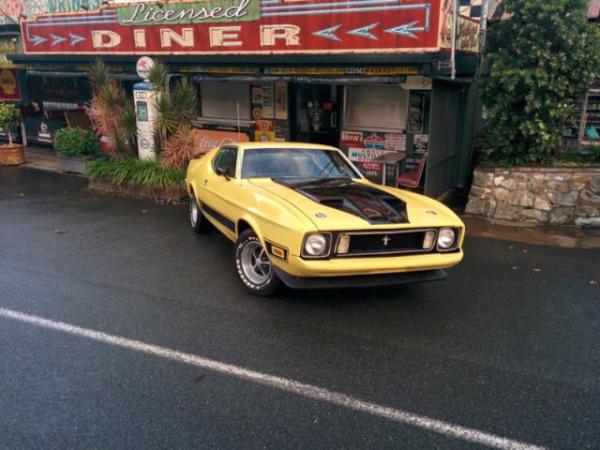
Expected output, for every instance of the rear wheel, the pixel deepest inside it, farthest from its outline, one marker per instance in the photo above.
(254, 266)
(197, 219)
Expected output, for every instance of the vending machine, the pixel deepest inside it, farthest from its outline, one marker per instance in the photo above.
(144, 96)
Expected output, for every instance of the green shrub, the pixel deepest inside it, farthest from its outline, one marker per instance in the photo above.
(10, 117)
(542, 60)
(148, 173)
(75, 142)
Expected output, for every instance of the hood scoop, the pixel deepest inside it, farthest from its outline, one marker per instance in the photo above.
(371, 204)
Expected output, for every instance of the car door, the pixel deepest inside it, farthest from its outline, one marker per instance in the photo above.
(221, 185)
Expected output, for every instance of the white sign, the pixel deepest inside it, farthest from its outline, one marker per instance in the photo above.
(143, 67)
(365, 154)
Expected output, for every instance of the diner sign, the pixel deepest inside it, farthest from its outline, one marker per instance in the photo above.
(240, 27)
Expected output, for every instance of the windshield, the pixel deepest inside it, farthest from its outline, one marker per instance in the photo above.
(295, 163)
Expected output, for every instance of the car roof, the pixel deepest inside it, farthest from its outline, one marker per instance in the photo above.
(283, 145)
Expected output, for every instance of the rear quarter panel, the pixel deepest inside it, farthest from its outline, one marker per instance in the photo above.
(196, 170)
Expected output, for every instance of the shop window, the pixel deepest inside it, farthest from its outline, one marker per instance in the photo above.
(60, 93)
(590, 129)
(219, 99)
(375, 108)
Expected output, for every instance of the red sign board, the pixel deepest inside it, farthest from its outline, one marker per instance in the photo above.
(241, 27)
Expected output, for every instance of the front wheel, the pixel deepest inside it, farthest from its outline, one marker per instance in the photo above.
(197, 219)
(254, 266)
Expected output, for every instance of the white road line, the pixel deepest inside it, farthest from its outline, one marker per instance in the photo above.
(283, 384)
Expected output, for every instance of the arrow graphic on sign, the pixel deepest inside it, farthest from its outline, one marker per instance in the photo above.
(407, 29)
(328, 33)
(37, 40)
(76, 39)
(365, 31)
(56, 39)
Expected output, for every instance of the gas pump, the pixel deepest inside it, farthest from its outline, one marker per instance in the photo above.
(144, 96)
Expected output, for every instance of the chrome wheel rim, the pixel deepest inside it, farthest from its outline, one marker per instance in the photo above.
(193, 212)
(255, 263)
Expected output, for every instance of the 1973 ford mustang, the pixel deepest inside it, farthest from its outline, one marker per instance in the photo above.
(303, 215)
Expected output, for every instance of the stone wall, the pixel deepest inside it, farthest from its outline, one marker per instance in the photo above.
(539, 195)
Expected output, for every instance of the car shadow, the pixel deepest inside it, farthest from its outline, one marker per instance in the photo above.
(350, 296)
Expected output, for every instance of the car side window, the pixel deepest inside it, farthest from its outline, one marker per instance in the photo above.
(226, 161)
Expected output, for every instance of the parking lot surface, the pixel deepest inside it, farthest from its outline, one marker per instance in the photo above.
(507, 347)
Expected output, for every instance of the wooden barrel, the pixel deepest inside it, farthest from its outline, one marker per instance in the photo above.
(11, 155)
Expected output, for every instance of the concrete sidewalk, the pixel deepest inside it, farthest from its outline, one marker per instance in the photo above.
(45, 158)
(556, 236)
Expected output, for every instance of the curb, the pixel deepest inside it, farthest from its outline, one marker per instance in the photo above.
(554, 236)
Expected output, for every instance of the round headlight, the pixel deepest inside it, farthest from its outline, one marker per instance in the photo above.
(315, 245)
(446, 238)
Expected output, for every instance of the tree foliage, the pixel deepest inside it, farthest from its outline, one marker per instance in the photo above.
(542, 60)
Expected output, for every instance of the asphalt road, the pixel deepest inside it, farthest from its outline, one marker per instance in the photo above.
(508, 345)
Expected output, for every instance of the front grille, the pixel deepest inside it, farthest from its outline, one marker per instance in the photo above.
(382, 243)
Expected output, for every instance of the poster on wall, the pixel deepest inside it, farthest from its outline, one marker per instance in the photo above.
(281, 130)
(420, 147)
(416, 112)
(467, 33)
(256, 94)
(281, 100)
(268, 101)
(9, 86)
(264, 136)
(374, 140)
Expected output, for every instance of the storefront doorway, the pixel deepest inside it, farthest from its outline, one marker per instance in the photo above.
(317, 115)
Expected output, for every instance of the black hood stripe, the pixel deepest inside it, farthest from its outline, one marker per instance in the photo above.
(374, 205)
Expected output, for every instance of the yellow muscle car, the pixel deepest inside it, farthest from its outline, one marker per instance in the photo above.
(302, 214)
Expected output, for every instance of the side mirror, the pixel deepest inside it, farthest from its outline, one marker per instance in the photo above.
(223, 172)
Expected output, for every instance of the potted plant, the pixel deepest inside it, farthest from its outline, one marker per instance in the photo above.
(10, 118)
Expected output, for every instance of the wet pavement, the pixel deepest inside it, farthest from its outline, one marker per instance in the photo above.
(508, 345)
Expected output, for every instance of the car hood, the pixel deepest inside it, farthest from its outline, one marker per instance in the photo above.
(344, 204)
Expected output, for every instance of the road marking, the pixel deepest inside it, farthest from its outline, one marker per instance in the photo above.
(283, 384)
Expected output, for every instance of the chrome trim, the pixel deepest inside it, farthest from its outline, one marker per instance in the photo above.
(325, 255)
(383, 233)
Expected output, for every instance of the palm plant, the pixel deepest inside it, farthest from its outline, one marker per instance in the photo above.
(111, 112)
(176, 107)
(180, 148)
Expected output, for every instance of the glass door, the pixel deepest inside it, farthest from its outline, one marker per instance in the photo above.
(317, 114)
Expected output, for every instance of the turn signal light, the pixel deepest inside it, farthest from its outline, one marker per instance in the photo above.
(429, 240)
(343, 244)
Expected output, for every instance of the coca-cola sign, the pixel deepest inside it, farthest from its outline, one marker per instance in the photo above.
(206, 140)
